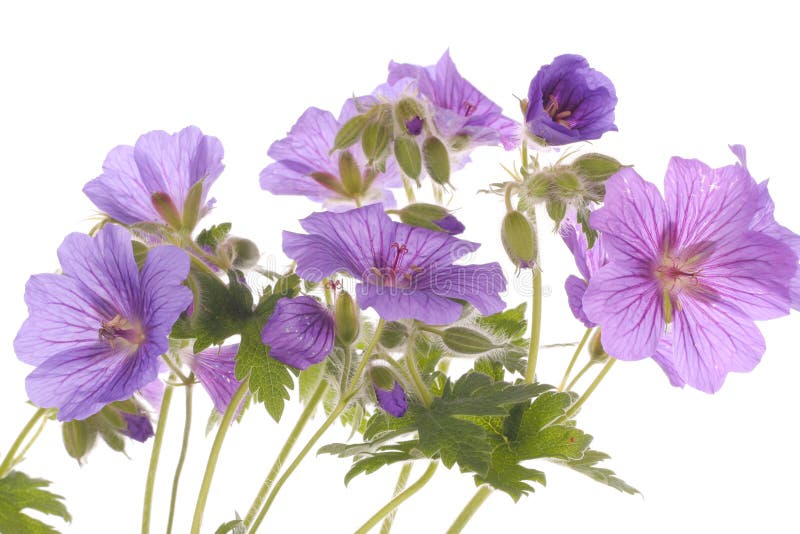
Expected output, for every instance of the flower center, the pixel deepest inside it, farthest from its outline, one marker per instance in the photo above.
(551, 107)
(675, 277)
(468, 107)
(120, 329)
(393, 273)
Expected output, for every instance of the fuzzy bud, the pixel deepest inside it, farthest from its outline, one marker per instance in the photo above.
(519, 239)
(437, 160)
(240, 252)
(596, 351)
(347, 323)
(596, 167)
(466, 341)
(408, 156)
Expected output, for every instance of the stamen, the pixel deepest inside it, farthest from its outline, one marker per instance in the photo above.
(119, 328)
(469, 108)
(402, 250)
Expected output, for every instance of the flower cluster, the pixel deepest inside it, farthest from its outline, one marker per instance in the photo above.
(380, 295)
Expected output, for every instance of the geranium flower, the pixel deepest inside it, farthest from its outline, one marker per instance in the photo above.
(96, 332)
(300, 332)
(692, 265)
(392, 401)
(159, 164)
(407, 272)
(568, 101)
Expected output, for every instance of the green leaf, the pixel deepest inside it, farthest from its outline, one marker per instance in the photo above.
(17, 492)
(454, 440)
(211, 237)
(586, 466)
(477, 394)
(509, 325)
(236, 526)
(371, 463)
(505, 473)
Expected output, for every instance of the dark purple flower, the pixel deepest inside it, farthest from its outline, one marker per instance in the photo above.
(414, 125)
(137, 426)
(460, 110)
(215, 369)
(96, 332)
(588, 261)
(691, 264)
(450, 224)
(407, 272)
(392, 401)
(764, 221)
(568, 101)
(159, 163)
(299, 332)
(306, 150)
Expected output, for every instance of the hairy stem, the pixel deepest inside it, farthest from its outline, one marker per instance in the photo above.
(402, 480)
(211, 466)
(154, 456)
(577, 406)
(305, 416)
(187, 427)
(574, 359)
(469, 510)
(399, 499)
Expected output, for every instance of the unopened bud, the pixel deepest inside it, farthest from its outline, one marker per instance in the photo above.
(241, 253)
(347, 319)
(437, 160)
(349, 133)
(408, 156)
(375, 139)
(466, 341)
(432, 217)
(519, 239)
(166, 208)
(393, 335)
(596, 167)
(350, 174)
(382, 377)
(566, 184)
(597, 353)
(409, 113)
(78, 438)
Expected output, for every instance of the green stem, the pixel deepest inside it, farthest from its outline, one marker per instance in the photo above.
(154, 456)
(399, 499)
(348, 358)
(416, 377)
(337, 410)
(402, 480)
(577, 406)
(308, 411)
(409, 189)
(187, 427)
(176, 370)
(580, 374)
(469, 510)
(224, 425)
(536, 325)
(574, 359)
(11, 458)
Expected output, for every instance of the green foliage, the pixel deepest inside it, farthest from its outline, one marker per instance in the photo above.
(211, 237)
(235, 526)
(80, 437)
(17, 492)
(586, 466)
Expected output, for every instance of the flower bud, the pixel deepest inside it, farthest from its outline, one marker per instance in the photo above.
(240, 252)
(437, 160)
(382, 377)
(566, 185)
(596, 167)
(78, 438)
(408, 156)
(519, 239)
(390, 394)
(350, 174)
(409, 113)
(349, 133)
(556, 209)
(597, 353)
(347, 323)
(166, 208)
(393, 335)
(432, 217)
(375, 138)
(466, 341)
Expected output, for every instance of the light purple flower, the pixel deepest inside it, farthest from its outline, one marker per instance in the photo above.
(96, 332)
(568, 101)
(407, 272)
(306, 150)
(460, 110)
(215, 369)
(299, 332)
(158, 163)
(588, 261)
(764, 221)
(392, 401)
(691, 264)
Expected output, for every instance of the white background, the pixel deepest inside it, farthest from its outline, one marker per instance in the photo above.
(78, 79)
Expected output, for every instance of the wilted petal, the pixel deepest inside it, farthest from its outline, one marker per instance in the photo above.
(627, 304)
(299, 332)
(712, 339)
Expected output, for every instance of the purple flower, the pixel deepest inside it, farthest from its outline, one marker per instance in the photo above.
(306, 151)
(764, 221)
(460, 110)
(588, 260)
(159, 163)
(568, 101)
(96, 332)
(407, 272)
(214, 368)
(392, 401)
(299, 332)
(691, 266)
(137, 426)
